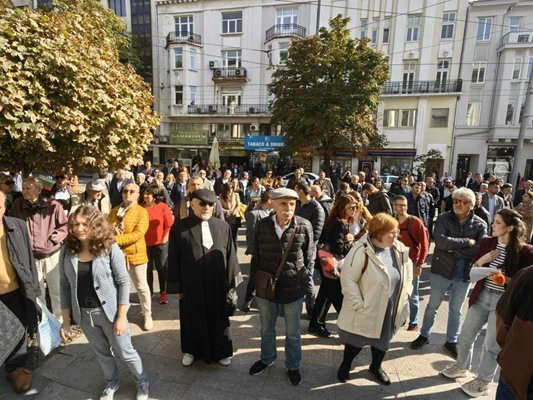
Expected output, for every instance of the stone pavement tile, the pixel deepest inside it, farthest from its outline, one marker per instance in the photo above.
(169, 348)
(203, 393)
(227, 379)
(146, 342)
(57, 364)
(55, 390)
(162, 389)
(437, 388)
(171, 370)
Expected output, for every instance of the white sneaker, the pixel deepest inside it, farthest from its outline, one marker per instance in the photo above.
(109, 392)
(188, 359)
(476, 388)
(142, 391)
(453, 371)
(225, 361)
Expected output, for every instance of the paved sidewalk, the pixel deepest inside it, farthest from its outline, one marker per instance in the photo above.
(73, 373)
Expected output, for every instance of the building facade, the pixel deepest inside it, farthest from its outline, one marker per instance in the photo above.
(495, 71)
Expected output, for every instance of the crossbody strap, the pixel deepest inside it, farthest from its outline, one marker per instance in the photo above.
(285, 253)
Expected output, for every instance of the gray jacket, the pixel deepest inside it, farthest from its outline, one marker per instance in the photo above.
(498, 204)
(452, 242)
(111, 282)
(252, 218)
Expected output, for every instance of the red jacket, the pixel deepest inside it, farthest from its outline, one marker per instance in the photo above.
(418, 250)
(161, 221)
(525, 259)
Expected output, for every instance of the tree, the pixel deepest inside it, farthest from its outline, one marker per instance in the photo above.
(423, 161)
(326, 94)
(65, 97)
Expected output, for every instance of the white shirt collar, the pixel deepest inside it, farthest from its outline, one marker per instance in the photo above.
(279, 229)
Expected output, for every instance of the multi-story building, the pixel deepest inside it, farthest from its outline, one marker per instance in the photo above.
(496, 67)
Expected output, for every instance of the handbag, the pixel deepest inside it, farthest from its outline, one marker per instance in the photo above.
(48, 330)
(330, 265)
(265, 282)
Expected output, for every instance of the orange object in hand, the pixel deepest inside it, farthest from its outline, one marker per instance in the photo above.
(498, 279)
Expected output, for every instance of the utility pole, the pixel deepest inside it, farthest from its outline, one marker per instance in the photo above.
(318, 17)
(526, 115)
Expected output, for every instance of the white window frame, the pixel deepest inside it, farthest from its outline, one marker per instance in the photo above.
(192, 94)
(390, 118)
(448, 25)
(178, 92)
(363, 27)
(193, 59)
(413, 28)
(283, 52)
(411, 118)
(484, 28)
(512, 106)
(386, 34)
(473, 113)
(286, 16)
(477, 67)
(229, 55)
(231, 25)
(183, 24)
(514, 27)
(178, 57)
(517, 68)
(374, 38)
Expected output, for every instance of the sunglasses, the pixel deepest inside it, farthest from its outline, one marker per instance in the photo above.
(461, 202)
(129, 191)
(206, 204)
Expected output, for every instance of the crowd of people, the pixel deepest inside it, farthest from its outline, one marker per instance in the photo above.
(365, 243)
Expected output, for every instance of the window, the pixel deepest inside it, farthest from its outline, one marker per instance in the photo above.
(408, 77)
(231, 58)
(363, 27)
(443, 68)
(472, 114)
(509, 114)
(448, 25)
(183, 25)
(119, 7)
(413, 23)
(390, 118)
(523, 38)
(484, 29)
(178, 57)
(439, 117)
(232, 22)
(193, 59)
(178, 95)
(517, 68)
(236, 131)
(286, 16)
(529, 67)
(408, 118)
(478, 72)
(192, 95)
(283, 52)
(514, 24)
(386, 35)
(374, 36)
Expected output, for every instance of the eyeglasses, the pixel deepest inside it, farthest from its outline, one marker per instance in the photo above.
(129, 191)
(206, 204)
(461, 202)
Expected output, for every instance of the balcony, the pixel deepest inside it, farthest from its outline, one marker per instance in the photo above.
(242, 109)
(183, 37)
(522, 38)
(422, 87)
(230, 73)
(284, 30)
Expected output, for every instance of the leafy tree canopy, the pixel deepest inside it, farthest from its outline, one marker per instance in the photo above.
(327, 92)
(65, 97)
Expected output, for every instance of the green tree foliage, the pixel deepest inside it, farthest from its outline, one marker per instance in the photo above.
(327, 92)
(65, 97)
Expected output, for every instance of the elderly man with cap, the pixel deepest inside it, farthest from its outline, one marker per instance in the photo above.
(203, 271)
(94, 196)
(283, 247)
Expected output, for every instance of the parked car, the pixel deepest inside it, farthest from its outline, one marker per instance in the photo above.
(312, 177)
(388, 180)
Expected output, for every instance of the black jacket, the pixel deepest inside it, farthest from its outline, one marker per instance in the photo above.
(268, 250)
(334, 235)
(21, 256)
(314, 213)
(482, 213)
(451, 242)
(379, 202)
(115, 196)
(418, 207)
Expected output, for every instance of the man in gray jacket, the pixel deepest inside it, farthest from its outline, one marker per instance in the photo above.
(457, 235)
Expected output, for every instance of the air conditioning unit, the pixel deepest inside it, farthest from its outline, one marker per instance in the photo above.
(218, 72)
(211, 64)
(239, 72)
(253, 128)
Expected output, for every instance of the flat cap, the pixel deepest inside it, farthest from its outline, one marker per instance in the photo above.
(204, 195)
(95, 185)
(283, 193)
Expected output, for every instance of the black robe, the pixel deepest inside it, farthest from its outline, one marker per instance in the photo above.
(204, 277)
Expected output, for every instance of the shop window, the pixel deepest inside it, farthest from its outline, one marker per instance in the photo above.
(439, 117)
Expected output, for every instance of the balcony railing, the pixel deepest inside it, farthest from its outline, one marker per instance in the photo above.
(517, 37)
(242, 109)
(422, 87)
(229, 73)
(283, 30)
(183, 37)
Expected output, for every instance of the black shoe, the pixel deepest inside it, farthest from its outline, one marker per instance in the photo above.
(259, 367)
(318, 330)
(294, 377)
(343, 374)
(452, 348)
(419, 342)
(380, 375)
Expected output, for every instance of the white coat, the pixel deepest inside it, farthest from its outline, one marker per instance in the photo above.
(366, 295)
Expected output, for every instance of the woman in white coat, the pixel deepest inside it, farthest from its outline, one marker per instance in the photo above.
(376, 281)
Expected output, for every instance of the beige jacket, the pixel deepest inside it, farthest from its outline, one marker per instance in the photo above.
(366, 295)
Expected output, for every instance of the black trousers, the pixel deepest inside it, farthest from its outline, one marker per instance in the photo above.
(329, 293)
(157, 258)
(16, 302)
(350, 352)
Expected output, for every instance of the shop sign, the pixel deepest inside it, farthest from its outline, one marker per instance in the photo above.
(392, 152)
(189, 137)
(264, 143)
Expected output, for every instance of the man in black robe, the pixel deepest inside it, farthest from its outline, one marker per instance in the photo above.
(202, 268)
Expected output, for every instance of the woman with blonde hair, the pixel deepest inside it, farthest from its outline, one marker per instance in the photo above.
(376, 282)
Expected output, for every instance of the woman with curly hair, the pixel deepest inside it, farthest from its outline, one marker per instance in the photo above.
(95, 286)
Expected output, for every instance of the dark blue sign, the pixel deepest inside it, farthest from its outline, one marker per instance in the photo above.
(263, 143)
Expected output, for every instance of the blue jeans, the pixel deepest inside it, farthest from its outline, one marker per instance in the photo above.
(458, 291)
(503, 392)
(414, 303)
(482, 312)
(268, 312)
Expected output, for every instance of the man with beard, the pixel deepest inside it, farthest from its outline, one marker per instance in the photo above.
(202, 269)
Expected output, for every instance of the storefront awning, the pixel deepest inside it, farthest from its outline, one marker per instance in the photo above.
(392, 152)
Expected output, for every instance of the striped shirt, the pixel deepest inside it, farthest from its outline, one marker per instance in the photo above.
(497, 263)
